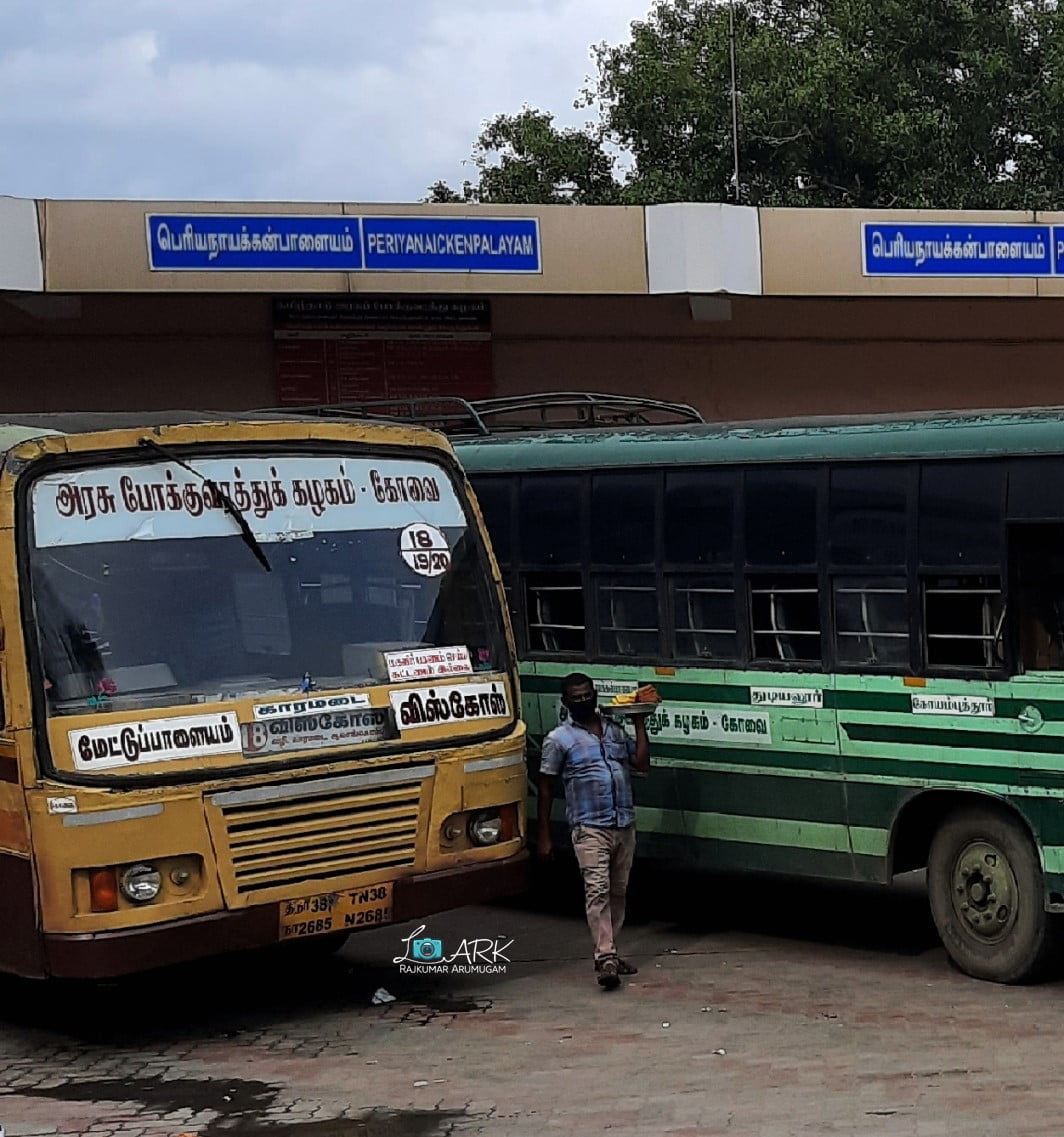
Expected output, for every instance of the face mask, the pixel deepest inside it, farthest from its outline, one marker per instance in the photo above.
(582, 709)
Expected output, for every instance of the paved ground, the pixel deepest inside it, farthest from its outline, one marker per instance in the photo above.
(788, 1010)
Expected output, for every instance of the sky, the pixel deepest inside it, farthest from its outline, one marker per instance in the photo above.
(283, 100)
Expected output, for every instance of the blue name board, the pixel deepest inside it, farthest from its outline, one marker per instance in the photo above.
(202, 242)
(937, 249)
(451, 244)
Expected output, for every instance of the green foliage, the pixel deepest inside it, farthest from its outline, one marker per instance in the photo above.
(873, 103)
(526, 158)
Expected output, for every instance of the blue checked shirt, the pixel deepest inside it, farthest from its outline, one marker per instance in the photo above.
(595, 773)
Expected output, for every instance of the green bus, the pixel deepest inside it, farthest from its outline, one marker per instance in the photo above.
(856, 626)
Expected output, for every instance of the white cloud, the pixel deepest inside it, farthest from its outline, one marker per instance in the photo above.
(264, 99)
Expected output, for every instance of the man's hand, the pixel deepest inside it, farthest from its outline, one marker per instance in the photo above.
(641, 760)
(544, 847)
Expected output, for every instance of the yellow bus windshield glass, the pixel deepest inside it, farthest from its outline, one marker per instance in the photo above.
(150, 586)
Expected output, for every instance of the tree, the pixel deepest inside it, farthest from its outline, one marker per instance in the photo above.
(525, 157)
(892, 103)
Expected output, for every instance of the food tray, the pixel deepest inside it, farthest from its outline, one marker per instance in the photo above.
(630, 708)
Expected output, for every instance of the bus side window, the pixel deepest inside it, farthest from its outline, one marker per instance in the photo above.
(872, 620)
(495, 501)
(699, 558)
(628, 619)
(1036, 562)
(623, 535)
(780, 527)
(1036, 595)
(868, 544)
(550, 514)
(704, 617)
(963, 618)
(785, 617)
(554, 603)
(624, 518)
(495, 497)
(961, 554)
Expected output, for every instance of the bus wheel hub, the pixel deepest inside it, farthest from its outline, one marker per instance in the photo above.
(984, 891)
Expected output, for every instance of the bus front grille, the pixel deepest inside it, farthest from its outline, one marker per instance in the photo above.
(307, 837)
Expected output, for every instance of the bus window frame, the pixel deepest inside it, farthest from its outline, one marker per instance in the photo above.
(753, 571)
(914, 572)
(512, 593)
(908, 570)
(600, 571)
(732, 568)
(31, 471)
(922, 571)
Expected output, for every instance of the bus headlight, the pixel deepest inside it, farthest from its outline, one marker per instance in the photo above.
(140, 883)
(485, 828)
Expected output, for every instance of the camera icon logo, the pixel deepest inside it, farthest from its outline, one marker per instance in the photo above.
(426, 950)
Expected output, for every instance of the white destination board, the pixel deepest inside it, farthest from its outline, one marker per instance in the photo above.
(129, 744)
(811, 697)
(282, 498)
(462, 703)
(979, 706)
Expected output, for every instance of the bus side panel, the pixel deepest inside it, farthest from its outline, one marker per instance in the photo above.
(771, 801)
(891, 753)
(20, 944)
(531, 712)
(1045, 816)
(21, 949)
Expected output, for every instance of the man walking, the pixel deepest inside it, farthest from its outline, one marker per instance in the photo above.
(594, 757)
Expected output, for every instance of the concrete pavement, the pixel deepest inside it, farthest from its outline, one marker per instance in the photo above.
(787, 1009)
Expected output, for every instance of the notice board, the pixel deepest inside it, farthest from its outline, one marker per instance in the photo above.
(349, 349)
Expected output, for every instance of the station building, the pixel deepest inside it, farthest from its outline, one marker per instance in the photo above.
(744, 313)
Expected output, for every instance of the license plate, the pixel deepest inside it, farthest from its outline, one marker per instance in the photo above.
(345, 911)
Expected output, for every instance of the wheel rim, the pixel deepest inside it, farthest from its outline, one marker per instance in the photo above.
(984, 892)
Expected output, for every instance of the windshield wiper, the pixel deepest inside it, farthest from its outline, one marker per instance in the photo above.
(227, 502)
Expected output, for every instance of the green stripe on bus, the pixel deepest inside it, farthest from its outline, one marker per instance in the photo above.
(869, 842)
(874, 798)
(714, 856)
(1051, 710)
(988, 772)
(749, 795)
(762, 831)
(820, 759)
(911, 770)
(933, 770)
(952, 739)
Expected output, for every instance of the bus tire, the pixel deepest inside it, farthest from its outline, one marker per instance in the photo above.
(984, 882)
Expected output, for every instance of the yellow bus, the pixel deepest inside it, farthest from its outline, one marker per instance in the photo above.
(258, 686)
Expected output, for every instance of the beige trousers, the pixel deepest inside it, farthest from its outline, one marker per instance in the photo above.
(605, 859)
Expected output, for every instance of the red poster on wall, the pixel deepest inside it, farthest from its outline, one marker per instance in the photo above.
(350, 349)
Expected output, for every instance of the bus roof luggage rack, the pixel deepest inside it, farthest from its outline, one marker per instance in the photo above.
(560, 410)
(568, 409)
(447, 413)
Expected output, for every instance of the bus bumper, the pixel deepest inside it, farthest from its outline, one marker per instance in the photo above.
(103, 955)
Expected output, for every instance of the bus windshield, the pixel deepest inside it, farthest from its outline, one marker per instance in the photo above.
(147, 593)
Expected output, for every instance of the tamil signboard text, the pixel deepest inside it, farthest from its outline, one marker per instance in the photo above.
(937, 249)
(286, 242)
(154, 740)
